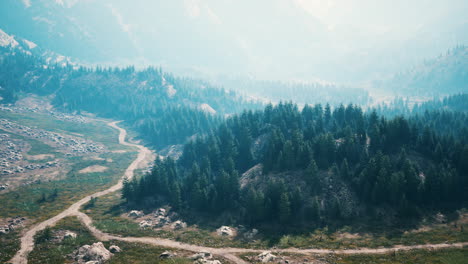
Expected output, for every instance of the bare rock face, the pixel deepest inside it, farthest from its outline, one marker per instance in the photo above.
(115, 249)
(225, 231)
(96, 254)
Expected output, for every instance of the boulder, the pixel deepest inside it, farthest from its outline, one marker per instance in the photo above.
(161, 221)
(115, 249)
(225, 231)
(167, 255)
(69, 234)
(207, 261)
(160, 212)
(135, 213)
(178, 225)
(266, 257)
(95, 252)
(201, 255)
(92, 262)
(145, 224)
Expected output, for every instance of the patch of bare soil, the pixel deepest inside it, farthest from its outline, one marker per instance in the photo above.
(347, 235)
(39, 157)
(94, 168)
(119, 151)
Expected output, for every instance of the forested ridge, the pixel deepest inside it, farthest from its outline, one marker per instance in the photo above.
(314, 165)
(165, 109)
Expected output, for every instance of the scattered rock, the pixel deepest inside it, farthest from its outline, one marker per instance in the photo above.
(266, 257)
(135, 213)
(96, 254)
(179, 225)
(225, 231)
(115, 249)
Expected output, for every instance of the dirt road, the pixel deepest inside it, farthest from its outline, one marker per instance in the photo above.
(27, 242)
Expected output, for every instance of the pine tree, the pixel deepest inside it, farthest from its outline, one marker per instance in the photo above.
(284, 208)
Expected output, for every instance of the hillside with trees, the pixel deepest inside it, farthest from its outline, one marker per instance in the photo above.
(165, 109)
(317, 165)
(441, 76)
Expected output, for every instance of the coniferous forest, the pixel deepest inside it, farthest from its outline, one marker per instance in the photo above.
(286, 165)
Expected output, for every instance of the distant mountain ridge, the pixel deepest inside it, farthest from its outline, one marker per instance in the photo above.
(16, 43)
(445, 75)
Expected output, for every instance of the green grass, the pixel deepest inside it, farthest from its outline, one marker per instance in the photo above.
(321, 238)
(108, 210)
(445, 256)
(24, 201)
(71, 187)
(420, 256)
(51, 252)
(9, 245)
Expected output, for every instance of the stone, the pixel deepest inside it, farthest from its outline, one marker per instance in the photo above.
(95, 252)
(201, 255)
(145, 224)
(160, 212)
(177, 225)
(225, 231)
(115, 249)
(266, 257)
(167, 255)
(135, 213)
(69, 234)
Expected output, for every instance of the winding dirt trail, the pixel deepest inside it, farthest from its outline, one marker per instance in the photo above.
(27, 241)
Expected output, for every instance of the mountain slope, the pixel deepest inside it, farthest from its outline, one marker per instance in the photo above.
(444, 75)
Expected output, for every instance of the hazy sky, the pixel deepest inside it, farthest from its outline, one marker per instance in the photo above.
(337, 40)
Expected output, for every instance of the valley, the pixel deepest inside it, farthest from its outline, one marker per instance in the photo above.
(222, 132)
